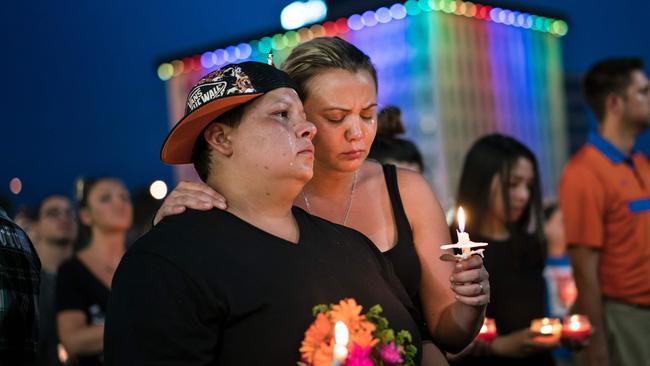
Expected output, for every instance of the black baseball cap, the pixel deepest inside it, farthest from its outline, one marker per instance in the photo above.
(215, 94)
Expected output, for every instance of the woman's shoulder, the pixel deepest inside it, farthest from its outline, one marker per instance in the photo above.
(371, 172)
(413, 186)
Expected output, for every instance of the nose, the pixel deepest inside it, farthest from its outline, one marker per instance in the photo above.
(306, 129)
(354, 130)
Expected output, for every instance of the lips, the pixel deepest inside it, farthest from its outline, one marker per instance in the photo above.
(354, 154)
(309, 149)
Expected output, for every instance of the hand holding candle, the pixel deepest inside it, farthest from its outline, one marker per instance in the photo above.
(469, 279)
(549, 330)
(576, 331)
(464, 243)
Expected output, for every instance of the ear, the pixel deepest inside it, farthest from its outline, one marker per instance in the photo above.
(613, 103)
(217, 135)
(84, 216)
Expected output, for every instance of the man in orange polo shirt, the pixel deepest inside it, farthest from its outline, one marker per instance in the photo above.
(605, 201)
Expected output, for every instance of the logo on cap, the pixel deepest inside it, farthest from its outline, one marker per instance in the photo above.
(213, 86)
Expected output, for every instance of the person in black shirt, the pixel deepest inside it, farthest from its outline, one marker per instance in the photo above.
(84, 281)
(236, 287)
(500, 183)
(19, 289)
(55, 231)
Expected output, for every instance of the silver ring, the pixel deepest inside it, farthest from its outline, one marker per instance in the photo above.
(481, 286)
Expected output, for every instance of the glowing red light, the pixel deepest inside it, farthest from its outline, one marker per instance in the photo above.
(342, 25)
(330, 28)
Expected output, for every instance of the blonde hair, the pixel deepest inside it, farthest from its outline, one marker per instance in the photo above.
(312, 57)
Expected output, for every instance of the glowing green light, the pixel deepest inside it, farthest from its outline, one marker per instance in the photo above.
(424, 5)
(434, 5)
(165, 71)
(442, 4)
(292, 38)
(265, 45)
(451, 6)
(562, 28)
(547, 24)
(412, 7)
(278, 42)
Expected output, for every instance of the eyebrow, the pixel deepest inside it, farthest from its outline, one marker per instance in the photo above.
(347, 109)
(287, 101)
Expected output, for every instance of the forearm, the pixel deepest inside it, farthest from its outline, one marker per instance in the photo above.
(585, 263)
(590, 303)
(458, 326)
(84, 341)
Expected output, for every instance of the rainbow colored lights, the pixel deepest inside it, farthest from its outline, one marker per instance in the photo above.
(458, 70)
(257, 48)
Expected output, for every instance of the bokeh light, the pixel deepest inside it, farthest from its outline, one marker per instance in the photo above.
(165, 71)
(158, 189)
(15, 185)
(398, 11)
(383, 15)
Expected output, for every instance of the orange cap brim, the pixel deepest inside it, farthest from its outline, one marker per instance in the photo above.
(179, 144)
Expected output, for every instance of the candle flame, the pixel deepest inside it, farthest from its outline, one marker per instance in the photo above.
(484, 329)
(341, 334)
(546, 329)
(461, 219)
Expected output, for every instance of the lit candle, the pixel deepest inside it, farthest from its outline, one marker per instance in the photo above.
(464, 243)
(341, 336)
(576, 327)
(488, 331)
(550, 330)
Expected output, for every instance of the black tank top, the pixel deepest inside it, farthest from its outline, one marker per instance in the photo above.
(402, 255)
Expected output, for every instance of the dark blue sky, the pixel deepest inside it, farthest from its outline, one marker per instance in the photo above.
(80, 91)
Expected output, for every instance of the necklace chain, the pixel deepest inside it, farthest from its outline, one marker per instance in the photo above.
(349, 205)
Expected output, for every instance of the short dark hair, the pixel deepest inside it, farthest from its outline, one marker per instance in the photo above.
(39, 207)
(608, 76)
(201, 152)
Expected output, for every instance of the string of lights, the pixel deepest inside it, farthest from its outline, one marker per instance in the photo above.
(259, 48)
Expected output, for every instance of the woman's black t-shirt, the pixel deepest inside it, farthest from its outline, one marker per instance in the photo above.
(516, 292)
(78, 289)
(210, 288)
